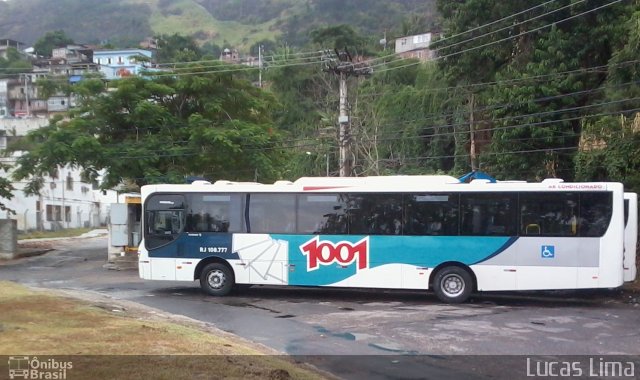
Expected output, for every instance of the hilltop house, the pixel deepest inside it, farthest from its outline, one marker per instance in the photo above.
(116, 64)
(416, 46)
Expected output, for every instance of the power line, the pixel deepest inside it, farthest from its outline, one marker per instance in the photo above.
(503, 39)
(497, 21)
(506, 27)
(298, 144)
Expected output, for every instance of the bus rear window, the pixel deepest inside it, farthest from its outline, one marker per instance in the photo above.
(595, 213)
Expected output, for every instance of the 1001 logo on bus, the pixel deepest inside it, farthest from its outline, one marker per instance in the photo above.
(344, 253)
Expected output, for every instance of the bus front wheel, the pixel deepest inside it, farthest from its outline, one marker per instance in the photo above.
(217, 279)
(453, 284)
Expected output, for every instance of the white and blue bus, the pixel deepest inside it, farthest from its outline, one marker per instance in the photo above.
(399, 232)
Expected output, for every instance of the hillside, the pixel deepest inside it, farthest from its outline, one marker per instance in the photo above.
(237, 23)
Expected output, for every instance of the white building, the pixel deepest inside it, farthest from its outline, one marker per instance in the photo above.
(4, 102)
(65, 201)
(416, 46)
(116, 64)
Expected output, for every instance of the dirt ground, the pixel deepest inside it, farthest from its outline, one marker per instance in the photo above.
(139, 342)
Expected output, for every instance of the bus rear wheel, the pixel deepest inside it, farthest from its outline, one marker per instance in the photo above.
(453, 284)
(217, 279)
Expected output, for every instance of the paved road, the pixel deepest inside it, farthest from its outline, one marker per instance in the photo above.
(374, 329)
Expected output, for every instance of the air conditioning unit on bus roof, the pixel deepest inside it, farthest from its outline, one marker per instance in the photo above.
(223, 182)
(376, 180)
(552, 180)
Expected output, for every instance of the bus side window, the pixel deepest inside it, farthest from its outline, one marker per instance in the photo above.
(488, 214)
(272, 213)
(431, 214)
(321, 214)
(595, 213)
(211, 212)
(375, 214)
(549, 214)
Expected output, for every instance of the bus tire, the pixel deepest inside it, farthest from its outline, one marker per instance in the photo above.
(453, 284)
(217, 279)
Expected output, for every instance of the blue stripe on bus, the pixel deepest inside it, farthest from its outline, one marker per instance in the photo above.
(506, 245)
(197, 247)
(421, 251)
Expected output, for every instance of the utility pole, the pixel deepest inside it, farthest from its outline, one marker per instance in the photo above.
(260, 66)
(26, 94)
(346, 163)
(344, 67)
(472, 136)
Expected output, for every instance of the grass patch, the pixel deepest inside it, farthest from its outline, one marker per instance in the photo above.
(67, 232)
(188, 17)
(39, 323)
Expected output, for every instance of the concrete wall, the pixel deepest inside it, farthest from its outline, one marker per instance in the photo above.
(8, 238)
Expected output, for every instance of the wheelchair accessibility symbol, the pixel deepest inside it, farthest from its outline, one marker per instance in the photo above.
(548, 252)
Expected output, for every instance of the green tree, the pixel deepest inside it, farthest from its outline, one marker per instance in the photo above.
(51, 40)
(211, 50)
(533, 125)
(539, 126)
(6, 189)
(14, 62)
(339, 37)
(610, 151)
(160, 130)
(399, 124)
(610, 145)
(177, 48)
(306, 112)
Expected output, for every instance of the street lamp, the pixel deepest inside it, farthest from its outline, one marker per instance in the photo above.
(326, 155)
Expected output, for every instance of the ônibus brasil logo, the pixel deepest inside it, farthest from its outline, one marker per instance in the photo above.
(344, 253)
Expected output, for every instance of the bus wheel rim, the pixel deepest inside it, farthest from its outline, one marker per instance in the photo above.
(453, 285)
(216, 279)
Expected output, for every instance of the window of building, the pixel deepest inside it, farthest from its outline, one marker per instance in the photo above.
(69, 182)
(53, 213)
